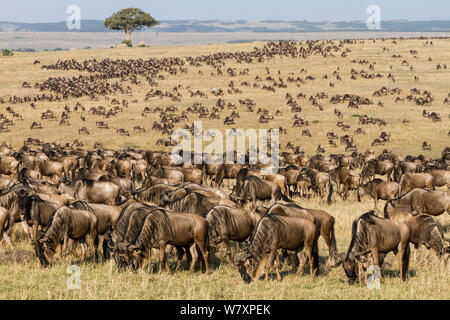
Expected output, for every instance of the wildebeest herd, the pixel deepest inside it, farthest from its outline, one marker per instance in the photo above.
(126, 203)
(136, 201)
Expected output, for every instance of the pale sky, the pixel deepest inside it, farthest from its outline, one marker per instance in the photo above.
(323, 10)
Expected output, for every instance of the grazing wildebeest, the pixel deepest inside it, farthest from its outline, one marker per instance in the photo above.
(420, 201)
(379, 189)
(117, 235)
(379, 236)
(275, 232)
(424, 231)
(410, 181)
(67, 224)
(254, 188)
(319, 181)
(135, 223)
(93, 191)
(322, 219)
(225, 224)
(178, 229)
(107, 216)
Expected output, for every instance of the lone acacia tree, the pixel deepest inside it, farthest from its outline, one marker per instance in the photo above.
(130, 19)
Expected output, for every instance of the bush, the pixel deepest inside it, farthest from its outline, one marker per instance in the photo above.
(142, 46)
(7, 53)
(128, 43)
(315, 121)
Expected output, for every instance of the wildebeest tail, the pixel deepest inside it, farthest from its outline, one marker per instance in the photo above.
(316, 251)
(385, 210)
(333, 249)
(330, 192)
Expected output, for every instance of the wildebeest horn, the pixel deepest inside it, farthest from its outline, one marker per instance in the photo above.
(132, 247)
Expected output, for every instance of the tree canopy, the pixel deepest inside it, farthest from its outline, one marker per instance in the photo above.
(129, 20)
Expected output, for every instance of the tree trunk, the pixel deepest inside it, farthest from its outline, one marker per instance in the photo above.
(128, 34)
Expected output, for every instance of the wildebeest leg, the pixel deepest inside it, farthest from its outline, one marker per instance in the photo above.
(188, 255)
(7, 240)
(302, 261)
(202, 246)
(226, 243)
(270, 262)
(404, 260)
(162, 256)
(83, 250)
(375, 200)
(180, 254)
(376, 262)
(3, 234)
(64, 246)
(277, 267)
(194, 254)
(95, 241)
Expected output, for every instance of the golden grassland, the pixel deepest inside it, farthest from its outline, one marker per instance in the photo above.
(30, 281)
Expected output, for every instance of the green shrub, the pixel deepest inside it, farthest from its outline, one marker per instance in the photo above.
(315, 121)
(128, 43)
(7, 53)
(142, 46)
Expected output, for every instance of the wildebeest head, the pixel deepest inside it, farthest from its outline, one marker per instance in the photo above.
(44, 252)
(246, 268)
(350, 269)
(136, 256)
(121, 256)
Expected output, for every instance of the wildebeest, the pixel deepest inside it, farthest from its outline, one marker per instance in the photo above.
(254, 188)
(424, 231)
(36, 211)
(107, 216)
(117, 235)
(410, 181)
(93, 191)
(420, 201)
(275, 232)
(379, 189)
(379, 236)
(67, 224)
(381, 167)
(441, 177)
(319, 181)
(178, 229)
(195, 201)
(322, 219)
(225, 224)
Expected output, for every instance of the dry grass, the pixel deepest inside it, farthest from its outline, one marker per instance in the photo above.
(30, 281)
